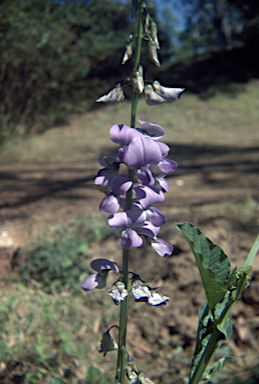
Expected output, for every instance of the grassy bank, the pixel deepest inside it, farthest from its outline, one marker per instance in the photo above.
(229, 117)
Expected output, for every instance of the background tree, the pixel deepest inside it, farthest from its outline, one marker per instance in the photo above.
(55, 57)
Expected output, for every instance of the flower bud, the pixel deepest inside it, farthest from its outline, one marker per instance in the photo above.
(152, 50)
(114, 96)
(153, 30)
(138, 80)
(168, 94)
(129, 50)
(151, 97)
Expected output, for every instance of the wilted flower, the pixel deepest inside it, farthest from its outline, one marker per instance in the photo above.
(107, 343)
(114, 96)
(143, 293)
(102, 266)
(118, 292)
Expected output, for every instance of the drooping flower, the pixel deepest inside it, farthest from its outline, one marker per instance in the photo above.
(107, 343)
(98, 280)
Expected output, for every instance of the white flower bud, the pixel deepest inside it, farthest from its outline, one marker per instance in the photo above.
(168, 94)
(152, 50)
(153, 30)
(138, 80)
(129, 50)
(114, 96)
(152, 98)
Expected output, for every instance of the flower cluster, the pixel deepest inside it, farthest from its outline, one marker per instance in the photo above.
(118, 292)
(140, 149)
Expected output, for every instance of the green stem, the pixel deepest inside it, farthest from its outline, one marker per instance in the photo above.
(205, 358)
(125, 255)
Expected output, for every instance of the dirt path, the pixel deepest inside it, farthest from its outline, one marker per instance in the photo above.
(216, 188)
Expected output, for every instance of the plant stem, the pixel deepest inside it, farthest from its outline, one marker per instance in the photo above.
(125, 255)
(210, 348)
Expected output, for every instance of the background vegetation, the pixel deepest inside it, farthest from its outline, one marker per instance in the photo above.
(58, 56)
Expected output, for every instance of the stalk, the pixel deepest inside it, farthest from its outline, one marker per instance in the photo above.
(125, 254)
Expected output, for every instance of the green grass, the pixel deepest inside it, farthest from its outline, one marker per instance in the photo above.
(225, 118)
(51, 334)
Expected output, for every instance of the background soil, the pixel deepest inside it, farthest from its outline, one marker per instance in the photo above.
(216, 188)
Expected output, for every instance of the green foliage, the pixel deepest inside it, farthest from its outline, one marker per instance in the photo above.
(94, 376)
(57, 380)
(58, 259)
(222, 290)
(52, 334)
(212, 262)
(54, 59)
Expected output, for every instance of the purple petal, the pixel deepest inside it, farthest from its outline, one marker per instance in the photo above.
(164, 148)
(163, 183)
(103, 264)
(121, 134)
(148, 196)
(142, 151)
(117, 184)
(167, 166)
(153, 130)
(148, 229)
(94, 281)
(162, 248)
(110, 204)
(156, 217)
(108, 161)
(127, 219)
(145, 176)
(130, 239)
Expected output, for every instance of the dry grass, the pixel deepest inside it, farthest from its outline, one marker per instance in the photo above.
(225, 118)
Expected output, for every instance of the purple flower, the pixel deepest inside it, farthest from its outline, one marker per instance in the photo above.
(142, 151)
(156, 217)
(153, 130)
(122, 134)
(145, 176)
(148, 196)
(135, 224)
(117, 185)
(130, 239)
(98, 280)
(161, 247)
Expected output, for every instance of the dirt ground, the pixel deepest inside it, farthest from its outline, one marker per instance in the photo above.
(216, 188)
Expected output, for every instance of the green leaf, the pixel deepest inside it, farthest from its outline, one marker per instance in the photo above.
(57, 380)
(252, 253)
(216, 367)
(212, 262)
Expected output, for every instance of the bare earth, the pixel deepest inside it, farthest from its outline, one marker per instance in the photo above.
(216, 188)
